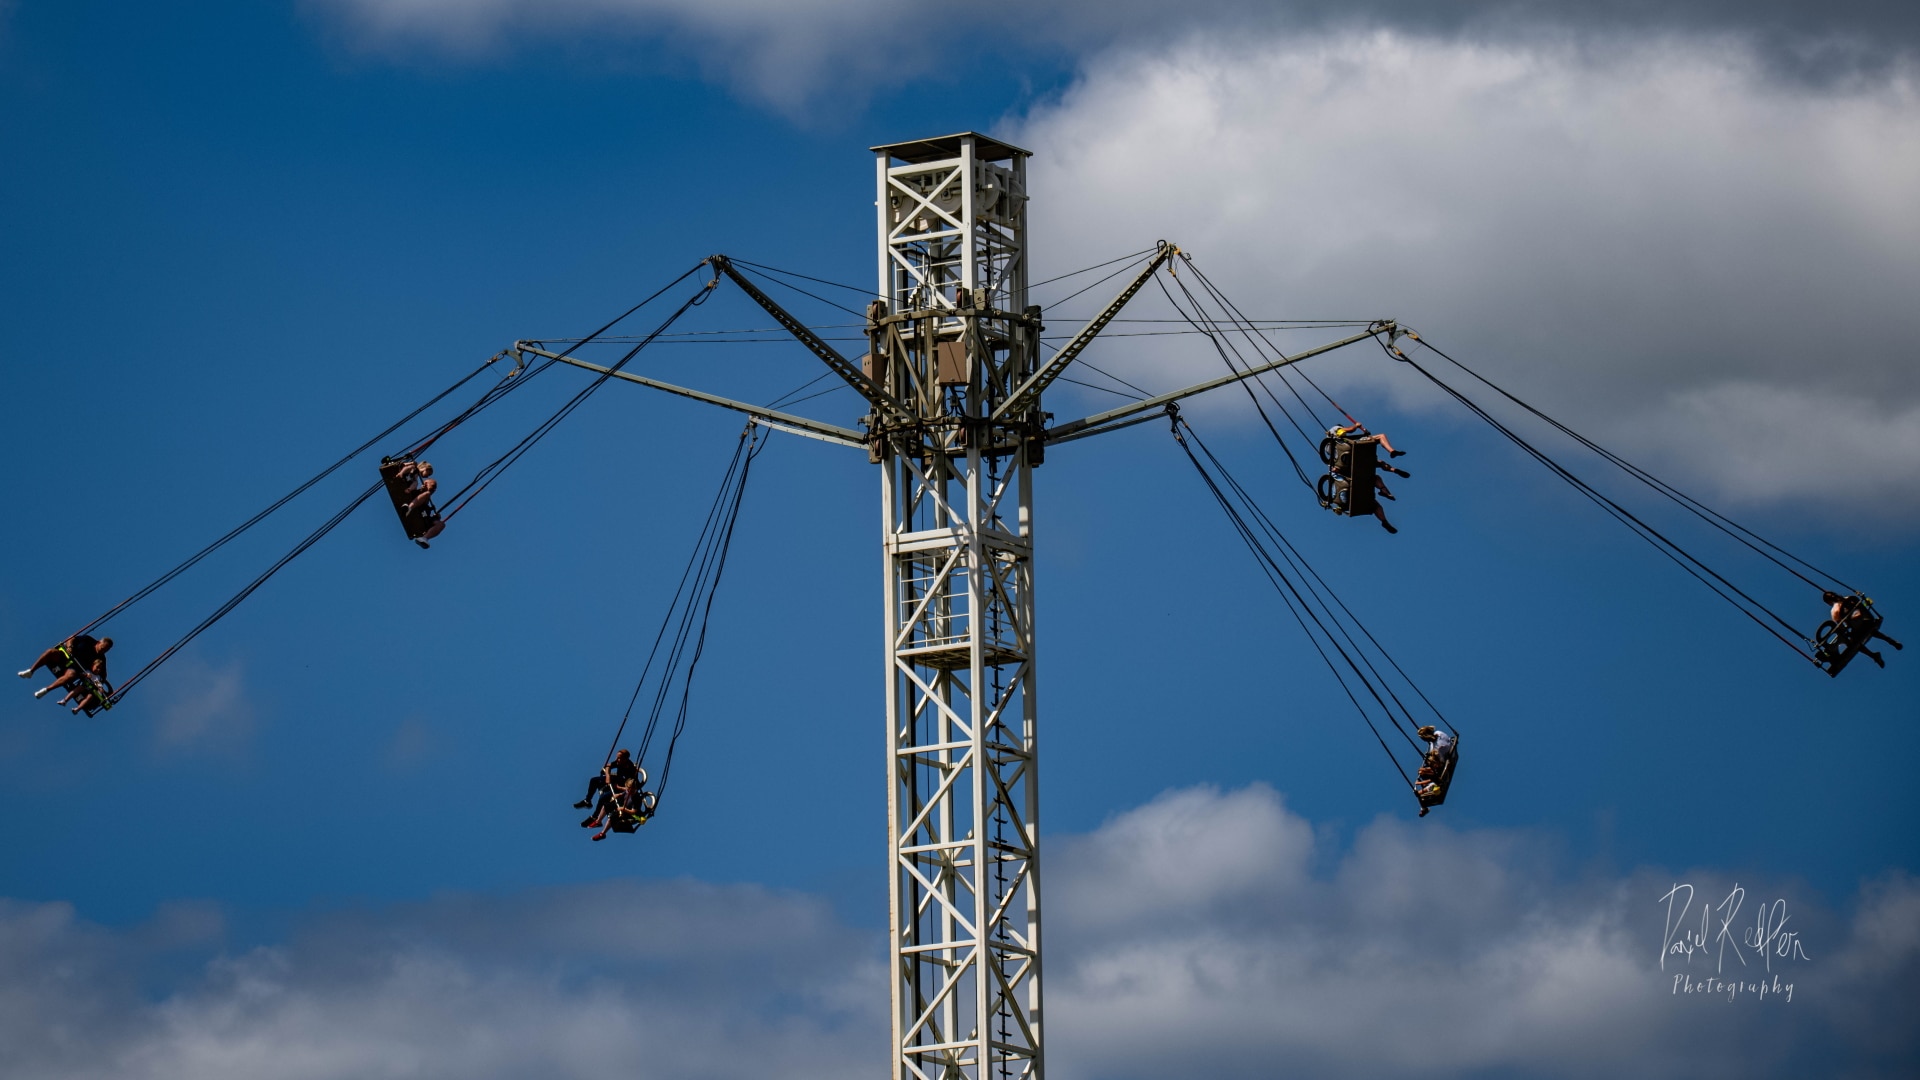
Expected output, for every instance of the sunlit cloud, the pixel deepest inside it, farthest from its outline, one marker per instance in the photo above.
(203, 708)
(1204, 933)
(1656, 240)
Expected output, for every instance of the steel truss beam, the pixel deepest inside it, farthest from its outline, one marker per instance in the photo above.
(798, 425)
(1029, 391)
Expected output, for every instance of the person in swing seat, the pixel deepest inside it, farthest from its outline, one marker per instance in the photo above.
(625, 810)
(67, 661)
(92, 690)
(1440, 746)
(422, 520)
(420, 484)
(1852, 625)
(612, 777)
(1380, 488)
(1426, 789)
(1359, 433)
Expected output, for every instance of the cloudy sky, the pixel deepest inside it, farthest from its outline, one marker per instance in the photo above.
(331, 839)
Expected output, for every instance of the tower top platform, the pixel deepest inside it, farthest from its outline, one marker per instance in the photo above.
(916, 151)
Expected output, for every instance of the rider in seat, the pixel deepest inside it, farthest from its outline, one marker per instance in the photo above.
(627, 810)
(1358, 469)
(612, 777)
(1436, 771)
(1358, 433)
(410, 484)
(1853, 624)
(93, 690)
(1353, 485)
(79, 662)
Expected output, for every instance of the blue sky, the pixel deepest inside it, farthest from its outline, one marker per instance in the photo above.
(242, 238)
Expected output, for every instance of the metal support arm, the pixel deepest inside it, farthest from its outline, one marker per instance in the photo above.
(1028, 392)
(1111, 420)
(841, 366)
(798, 425)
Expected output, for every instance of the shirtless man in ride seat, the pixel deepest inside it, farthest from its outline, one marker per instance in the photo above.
(418, 476)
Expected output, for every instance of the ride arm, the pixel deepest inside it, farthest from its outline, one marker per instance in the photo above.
(1024, 395)
(841, 366)
(798, 425)
(1128, 415)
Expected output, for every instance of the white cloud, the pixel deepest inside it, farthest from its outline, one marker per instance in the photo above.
(780, 54)
(783, 53)
(207, 708)
(664, 980)
(1632, 213)
(1655, 239)
(1197, 935)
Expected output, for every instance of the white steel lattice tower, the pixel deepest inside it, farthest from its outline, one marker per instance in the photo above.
(951, 339)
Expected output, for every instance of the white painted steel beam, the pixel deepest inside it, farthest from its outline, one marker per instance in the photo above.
(953, 342)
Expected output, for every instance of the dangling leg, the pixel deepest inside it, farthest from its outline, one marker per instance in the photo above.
(1381, 513)
(66, 679)
(48, 660)
(1887, 639)
(594, 787)
(602, 813)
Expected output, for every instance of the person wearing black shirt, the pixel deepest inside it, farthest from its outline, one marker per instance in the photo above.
(611, 778)
(79, 653)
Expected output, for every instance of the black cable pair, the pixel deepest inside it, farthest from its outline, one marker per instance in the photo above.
(690, 612)
(1301, 598)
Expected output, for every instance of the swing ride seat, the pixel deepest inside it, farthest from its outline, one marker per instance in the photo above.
(1442, 782)
(1348, 486)
(1835, 645)
(418, 524)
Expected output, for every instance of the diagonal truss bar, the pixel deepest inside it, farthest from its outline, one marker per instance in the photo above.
(1027, 393)
(828, 354)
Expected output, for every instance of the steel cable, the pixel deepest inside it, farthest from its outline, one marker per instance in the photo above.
(1685, 559)
(1302, 609)
(283, 500)
(233, 602)
(1699, 509)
